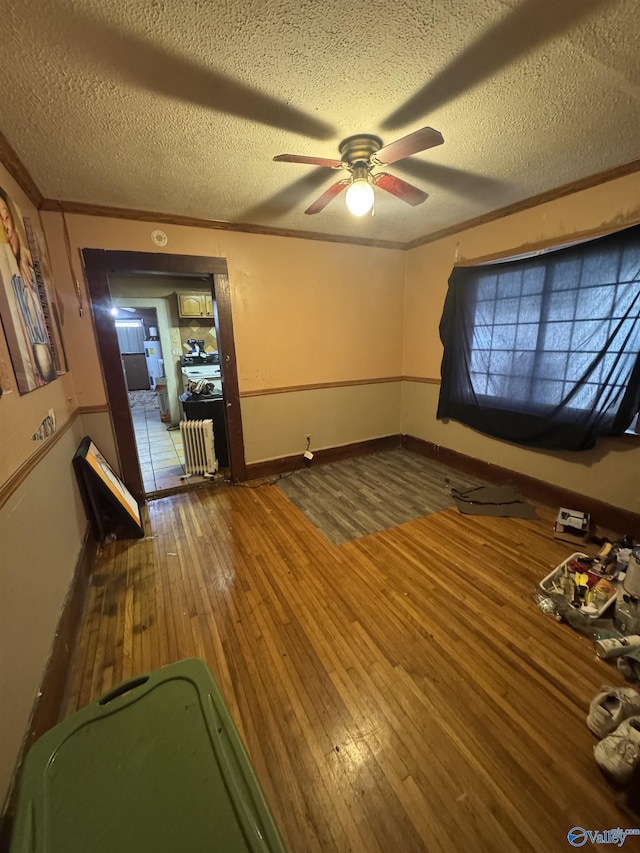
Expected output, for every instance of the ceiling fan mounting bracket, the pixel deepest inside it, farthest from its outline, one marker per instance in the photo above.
(359, 149)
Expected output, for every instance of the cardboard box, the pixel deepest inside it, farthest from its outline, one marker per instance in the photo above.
(163, 399)
(572, 525)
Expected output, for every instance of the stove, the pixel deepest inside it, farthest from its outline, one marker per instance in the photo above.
(195, 368)
(200, 359)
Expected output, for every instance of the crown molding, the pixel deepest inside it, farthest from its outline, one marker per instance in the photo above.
(18, 171)
(517, 207)
(529, 203)
(213, 224)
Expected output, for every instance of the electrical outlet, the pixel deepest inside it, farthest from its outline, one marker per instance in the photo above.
(308, 455)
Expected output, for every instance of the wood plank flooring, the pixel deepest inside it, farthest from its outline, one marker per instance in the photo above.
(400, 692)
(356, 497)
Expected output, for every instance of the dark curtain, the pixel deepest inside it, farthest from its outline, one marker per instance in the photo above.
(545, 351)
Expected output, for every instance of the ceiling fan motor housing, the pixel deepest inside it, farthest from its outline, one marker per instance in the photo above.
(357, 150)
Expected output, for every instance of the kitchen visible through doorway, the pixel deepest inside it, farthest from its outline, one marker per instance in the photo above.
(160, 450)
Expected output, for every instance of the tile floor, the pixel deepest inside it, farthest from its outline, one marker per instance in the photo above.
(159, 449)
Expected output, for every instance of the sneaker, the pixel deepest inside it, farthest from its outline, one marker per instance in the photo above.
(619, 753)
(629, 667)
(611, 707)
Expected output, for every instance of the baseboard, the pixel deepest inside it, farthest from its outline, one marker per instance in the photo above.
(49, 705)
(49, 701)
(613, 518)
(284, 464)
(605, 515)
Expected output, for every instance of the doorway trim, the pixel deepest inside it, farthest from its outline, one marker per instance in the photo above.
(98, 265)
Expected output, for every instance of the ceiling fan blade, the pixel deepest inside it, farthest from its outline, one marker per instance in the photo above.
(529, 25)
(327, 196)
(400, 189)
(414, 142)
(311, 161)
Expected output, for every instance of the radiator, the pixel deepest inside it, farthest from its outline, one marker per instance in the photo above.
(199, 448)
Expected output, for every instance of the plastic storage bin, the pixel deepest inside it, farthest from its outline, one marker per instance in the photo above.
(154, 765)
(546, 584)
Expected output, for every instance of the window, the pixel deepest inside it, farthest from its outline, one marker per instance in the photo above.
(545, 350)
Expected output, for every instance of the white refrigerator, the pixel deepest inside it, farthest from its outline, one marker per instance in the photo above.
(155, 363)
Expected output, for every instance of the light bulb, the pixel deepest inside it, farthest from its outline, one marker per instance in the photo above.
(113, 311)
(359, 199)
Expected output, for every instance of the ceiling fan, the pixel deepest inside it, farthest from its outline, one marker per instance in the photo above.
(360, 155)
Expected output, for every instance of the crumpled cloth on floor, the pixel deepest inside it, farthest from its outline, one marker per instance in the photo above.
(506, 501)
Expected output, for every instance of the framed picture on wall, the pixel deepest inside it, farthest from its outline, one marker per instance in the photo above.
(30, 312)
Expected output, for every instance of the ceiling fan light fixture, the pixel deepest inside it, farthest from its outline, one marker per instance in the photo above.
(359, 198)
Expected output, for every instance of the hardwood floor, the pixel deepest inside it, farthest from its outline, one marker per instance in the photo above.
(400, 692)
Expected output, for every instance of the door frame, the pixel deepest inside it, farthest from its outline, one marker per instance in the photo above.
(98, 265)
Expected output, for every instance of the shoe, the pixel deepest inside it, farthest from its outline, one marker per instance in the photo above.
(619, 753)
(629, 667)
(611, 707)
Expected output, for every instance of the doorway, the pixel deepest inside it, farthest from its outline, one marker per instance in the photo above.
(157, 435)
(104, 269)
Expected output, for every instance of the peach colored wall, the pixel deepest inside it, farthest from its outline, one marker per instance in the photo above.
(612, 471)
(303, 311)
(42, 524)
(609, 206)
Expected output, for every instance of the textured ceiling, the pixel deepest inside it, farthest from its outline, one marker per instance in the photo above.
(179, 106)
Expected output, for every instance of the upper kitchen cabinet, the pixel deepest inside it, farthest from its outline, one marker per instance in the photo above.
(195, 305)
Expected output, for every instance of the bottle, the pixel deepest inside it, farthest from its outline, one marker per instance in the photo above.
(613, 648)
(632, 577)
(548, 607)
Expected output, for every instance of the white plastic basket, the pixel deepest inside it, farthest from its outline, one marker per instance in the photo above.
(546, 584)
